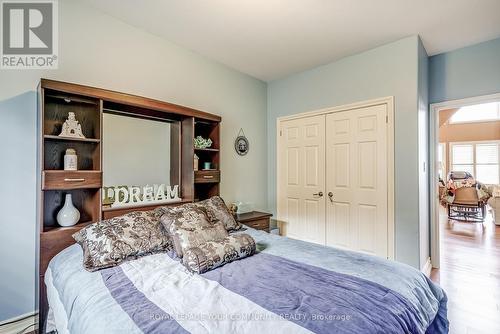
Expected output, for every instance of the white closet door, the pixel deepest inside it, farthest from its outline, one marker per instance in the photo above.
(356, 180)
(302, 178)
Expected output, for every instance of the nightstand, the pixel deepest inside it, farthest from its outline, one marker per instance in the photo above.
(255, 219)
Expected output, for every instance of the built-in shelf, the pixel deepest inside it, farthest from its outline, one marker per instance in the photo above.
(205, 123)
(83, 140)
(206, 182)
(77, 227)
(72, 99)
(58, 99)
(73, 171)
(207, 149)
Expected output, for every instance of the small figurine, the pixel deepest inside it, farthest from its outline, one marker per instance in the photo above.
(233, 208)
(196, 162)
(71, 127)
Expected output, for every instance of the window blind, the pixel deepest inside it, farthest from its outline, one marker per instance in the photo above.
(479, 159)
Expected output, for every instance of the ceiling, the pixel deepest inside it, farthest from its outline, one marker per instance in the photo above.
(269, 39)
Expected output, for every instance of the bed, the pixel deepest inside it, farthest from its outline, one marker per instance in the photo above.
(289, 286)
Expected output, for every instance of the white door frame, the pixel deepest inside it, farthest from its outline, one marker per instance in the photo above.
(389, 101)
(435, 108)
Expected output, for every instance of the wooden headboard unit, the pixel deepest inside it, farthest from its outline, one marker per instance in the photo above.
(56, 99)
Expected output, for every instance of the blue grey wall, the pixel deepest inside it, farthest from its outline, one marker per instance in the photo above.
(471, 71)
(389, 70)
(18, 198)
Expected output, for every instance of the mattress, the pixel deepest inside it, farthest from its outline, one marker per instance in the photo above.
(56, 318)
(288, 286)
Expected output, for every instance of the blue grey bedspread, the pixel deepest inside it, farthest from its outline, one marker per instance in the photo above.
(290, 286)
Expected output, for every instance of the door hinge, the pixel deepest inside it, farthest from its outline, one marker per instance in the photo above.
(386, 119)
(281, 133)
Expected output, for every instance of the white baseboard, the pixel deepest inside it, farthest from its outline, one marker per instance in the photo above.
(426, 269)
(22, 324)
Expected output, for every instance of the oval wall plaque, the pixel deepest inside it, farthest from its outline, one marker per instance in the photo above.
(241, 144)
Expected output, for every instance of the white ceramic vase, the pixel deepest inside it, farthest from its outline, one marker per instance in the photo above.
(68, 215)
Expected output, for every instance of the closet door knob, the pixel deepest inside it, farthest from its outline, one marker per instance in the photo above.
(330, 195)
(320, 194)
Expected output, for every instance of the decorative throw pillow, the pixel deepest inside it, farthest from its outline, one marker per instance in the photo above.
(187, 216)
(217, 210)
(186, 238)
(213, 254)
(188, 225)
(110, 242)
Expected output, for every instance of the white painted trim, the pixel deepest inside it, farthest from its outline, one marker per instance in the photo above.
(466, 102)
(391, 238)
(389, 101)
(435, 108)
(22, 324)
(426, 269)
(278, 177)
(445, 158)
(434, 186)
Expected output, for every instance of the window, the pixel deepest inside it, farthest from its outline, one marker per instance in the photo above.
(481, 159)
(477, 113)
(442, 160)
(487, 163)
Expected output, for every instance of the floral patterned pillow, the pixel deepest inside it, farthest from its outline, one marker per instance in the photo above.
(186, 238)
(189, 225)
(213, 254)
(217, 210)
(110, 242)
(187, 216)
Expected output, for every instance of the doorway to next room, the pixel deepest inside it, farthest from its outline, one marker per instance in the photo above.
(466, 211)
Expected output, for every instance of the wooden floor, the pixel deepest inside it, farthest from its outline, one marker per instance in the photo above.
(470, 275)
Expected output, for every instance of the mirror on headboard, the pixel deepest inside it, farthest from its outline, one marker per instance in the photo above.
(138, 151)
